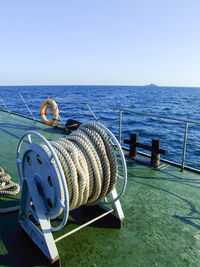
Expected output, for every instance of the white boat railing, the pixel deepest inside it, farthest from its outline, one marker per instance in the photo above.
(89, 106)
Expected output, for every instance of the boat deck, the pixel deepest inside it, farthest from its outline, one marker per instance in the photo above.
(161, 226)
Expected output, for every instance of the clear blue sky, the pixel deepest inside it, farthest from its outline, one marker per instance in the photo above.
(120, 42)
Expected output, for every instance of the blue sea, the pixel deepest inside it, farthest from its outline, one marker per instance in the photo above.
(172, 102)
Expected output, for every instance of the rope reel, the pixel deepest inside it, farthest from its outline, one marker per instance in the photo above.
(75, 170)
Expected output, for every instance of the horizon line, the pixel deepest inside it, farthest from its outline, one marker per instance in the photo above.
(123, 85)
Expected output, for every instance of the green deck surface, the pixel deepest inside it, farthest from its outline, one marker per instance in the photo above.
(161, 226)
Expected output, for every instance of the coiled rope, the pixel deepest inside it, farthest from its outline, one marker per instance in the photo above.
(7, 187)
(89, 163)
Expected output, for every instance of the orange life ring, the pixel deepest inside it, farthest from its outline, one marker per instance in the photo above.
(44, 110)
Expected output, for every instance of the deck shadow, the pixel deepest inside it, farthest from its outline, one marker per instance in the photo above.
(186, 219)
(21, 251)
(86, 213)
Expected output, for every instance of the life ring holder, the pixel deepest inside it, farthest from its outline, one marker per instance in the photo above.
(44, 110)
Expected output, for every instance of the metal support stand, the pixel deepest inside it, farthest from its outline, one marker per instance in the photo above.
(39, 228)
(42, 238)
(41, 198)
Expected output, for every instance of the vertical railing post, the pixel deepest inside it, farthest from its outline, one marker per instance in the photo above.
(64, 125)
(92, 112)
(26, 105)
(4, 104)
(184, 146)
(120, 126)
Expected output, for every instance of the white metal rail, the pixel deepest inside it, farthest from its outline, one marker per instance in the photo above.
(89, 106)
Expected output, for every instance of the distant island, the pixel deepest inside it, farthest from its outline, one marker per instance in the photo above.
(151, 85)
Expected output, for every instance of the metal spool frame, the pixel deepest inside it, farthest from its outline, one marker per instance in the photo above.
(41, 196)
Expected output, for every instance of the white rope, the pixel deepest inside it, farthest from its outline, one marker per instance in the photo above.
(7, 187)
(89, 164)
